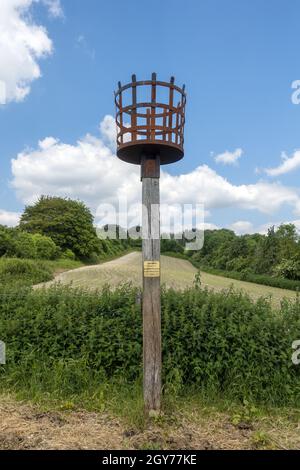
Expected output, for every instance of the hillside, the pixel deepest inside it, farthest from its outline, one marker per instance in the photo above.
(176, 273)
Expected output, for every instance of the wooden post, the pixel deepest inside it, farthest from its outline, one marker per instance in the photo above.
(150, 167)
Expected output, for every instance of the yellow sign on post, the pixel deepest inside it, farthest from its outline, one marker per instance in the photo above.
(151, 268)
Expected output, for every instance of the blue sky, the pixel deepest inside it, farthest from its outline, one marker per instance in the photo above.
(238, 60)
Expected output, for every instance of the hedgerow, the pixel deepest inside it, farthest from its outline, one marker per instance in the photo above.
(64, 341)
(263, 279)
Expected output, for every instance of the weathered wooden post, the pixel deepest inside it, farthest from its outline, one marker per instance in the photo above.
(150, 133)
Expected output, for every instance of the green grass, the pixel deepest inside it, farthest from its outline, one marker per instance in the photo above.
(64, 342)
(27, 272)
(70, 349)
(262, 279)
(22, 272)
(60, 265)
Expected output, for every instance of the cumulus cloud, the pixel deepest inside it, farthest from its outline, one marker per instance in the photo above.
(11, 219)
(22, 44)
(288, 164)
(108, 130)
(229, 158)
(90, 171)
(241, 227)
(87, 170)
(263, 229)
(54, 8)
(205, 185)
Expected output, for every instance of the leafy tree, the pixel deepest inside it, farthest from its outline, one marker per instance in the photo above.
(289, 268)
(6, 240)
(172, 245)
(267, 253)
(277, 253)
(287, 232)
(288, 240)
(69, 223)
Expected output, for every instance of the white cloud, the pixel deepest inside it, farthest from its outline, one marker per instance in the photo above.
(47, 143)
(296, 223)
(108, 130)
(229, 158)
(205, 185)
(242, 227)
(90, 171)
(82, 43)
(288, 164)
(22, 44)
(263, 229)
(245, 227)
(87, 170)
(11, 219)
(54, 7)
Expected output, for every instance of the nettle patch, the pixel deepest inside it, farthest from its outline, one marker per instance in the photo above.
(66, 341)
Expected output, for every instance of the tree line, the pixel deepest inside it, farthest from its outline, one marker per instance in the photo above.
(55, 227)
(275, 254)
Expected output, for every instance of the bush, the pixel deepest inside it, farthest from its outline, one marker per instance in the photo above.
(63, 341)
(92, 259)
(15, 243)
(24, 246)
(45, 247)
(171, 245)
(68, 254)
(6, 240)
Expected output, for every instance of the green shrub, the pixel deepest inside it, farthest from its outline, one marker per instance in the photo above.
(63, 341)
(15, 243)
(24, 246)
(92, 259)
(171, 245)
(6, 241)
(68, 254)
(45, 247)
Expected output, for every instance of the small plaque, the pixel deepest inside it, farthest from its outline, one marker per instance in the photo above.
(151, 268)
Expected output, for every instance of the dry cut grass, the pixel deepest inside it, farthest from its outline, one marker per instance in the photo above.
(24, 426)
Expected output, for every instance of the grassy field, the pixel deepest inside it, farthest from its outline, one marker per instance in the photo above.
(77, 383)
(176, 273)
